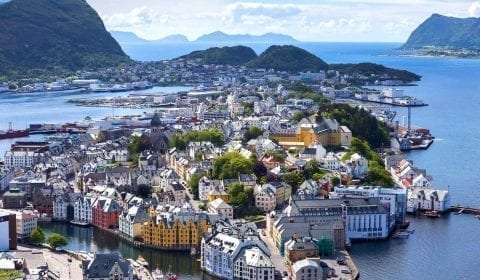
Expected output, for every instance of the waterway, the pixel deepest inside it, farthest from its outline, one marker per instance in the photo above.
(444, 248)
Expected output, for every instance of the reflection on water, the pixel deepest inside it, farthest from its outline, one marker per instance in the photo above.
(91, 239)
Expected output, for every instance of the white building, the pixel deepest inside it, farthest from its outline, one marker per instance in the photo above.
(421, 199)
(82, 209)
(26, 223)
(130, 221)
(60, 208)
(218, 206)
(331, 161)
(254, 264)
(307, 269)
(265, 198)
(22, 159)
(357, 166)
(225, 256)
(6, 175)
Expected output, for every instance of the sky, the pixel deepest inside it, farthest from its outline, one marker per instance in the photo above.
(305, 20)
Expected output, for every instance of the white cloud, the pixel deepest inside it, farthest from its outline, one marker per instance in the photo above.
(138, 17)
(235, 13)
(474, 9)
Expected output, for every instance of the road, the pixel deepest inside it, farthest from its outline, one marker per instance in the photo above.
(59, 264)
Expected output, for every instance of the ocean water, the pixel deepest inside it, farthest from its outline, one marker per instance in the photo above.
(444, 248)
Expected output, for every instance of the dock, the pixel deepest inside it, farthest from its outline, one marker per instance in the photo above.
(464, 210)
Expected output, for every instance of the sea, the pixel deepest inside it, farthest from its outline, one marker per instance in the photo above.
(444, 248)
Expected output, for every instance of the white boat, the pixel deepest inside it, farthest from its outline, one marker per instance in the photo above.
(158, 274)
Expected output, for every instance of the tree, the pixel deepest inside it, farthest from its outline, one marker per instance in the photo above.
(294, 179)
(298, 116)
(56, 240)
(37, 236)
(252, 133)
(230, 165)
(335, 181)
(193, 184)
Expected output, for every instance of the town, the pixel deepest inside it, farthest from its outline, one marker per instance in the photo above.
(259, 174)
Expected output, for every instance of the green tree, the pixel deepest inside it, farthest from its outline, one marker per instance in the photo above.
(37, 236)
(335, 181)
(229, 165)
(298, 116)
(193, 184)
(252, 133)
(56, 240)
(294, 179)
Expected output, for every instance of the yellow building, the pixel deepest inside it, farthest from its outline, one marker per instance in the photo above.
(180, 231)
(310, 130)
(216, 193)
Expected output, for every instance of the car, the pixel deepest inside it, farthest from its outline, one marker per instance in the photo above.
(346, 271)
(69, 260)
(285, 273)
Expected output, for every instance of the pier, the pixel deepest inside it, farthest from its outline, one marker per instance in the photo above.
(464, 210)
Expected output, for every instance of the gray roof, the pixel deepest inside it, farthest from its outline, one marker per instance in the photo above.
(103, 263)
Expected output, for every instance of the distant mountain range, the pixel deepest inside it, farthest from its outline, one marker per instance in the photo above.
(212, 38)
(51, 35)
(443, 31)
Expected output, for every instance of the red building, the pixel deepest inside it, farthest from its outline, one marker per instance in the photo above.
(105, 213)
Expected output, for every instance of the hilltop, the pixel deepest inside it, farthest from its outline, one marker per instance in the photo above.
(368, 69)
(288, 58)
(54, 35)
(123, 37)
(443, 31)
(237, 55)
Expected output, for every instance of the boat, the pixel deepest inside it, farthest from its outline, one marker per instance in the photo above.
(432, 214)
(401, 235)
(477, 216)
(193, 251)
(13, 134)
(142, 261)
(157, 274)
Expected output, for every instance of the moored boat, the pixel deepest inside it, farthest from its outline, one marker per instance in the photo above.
(432, 214)
(142, 261)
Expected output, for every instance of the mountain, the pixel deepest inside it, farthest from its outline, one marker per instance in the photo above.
(237, 55)
(173, 39)
(443, 31)
(268, 38)
(288, 58)
(123, 37)
(52, 35)
(368, 69)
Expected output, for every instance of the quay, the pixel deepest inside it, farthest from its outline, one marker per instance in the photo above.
(464, 210)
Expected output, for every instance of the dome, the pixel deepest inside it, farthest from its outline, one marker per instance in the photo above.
(156, 122)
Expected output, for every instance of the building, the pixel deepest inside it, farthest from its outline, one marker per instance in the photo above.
(265, 198)
(25, 223)
(130, 221)
(309, 131)
(14, 199)
(308, 269)
(107, 266)
(298, 248)
(218, 193)
(219, 206)
(6, 175)
(82, 209)
(105, 212)
(8, 231)
(363, 218)
(60, 208)
(427, 199)
(205, 186)
(175, 231)
(235, 255)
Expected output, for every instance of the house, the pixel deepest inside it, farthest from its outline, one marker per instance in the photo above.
(60, 205)
(82, 209)
(218, 193)
(219, 206)
(424, 198)
(131, 220)
(14, 199)
(331, 161)
(357, 166)
(205, 186)
(282, 192)
(247, 180)
(265, 198)
(308, 269)
(315, 151)
(107, 266)
(298, 248)
(105, 212)
(178, 190)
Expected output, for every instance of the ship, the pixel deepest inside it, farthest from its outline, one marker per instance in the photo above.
(10, 133)
(432, 214)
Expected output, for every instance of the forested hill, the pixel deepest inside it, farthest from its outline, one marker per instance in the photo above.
(54, 34)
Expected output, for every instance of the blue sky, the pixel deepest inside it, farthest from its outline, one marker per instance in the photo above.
(306, 20)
